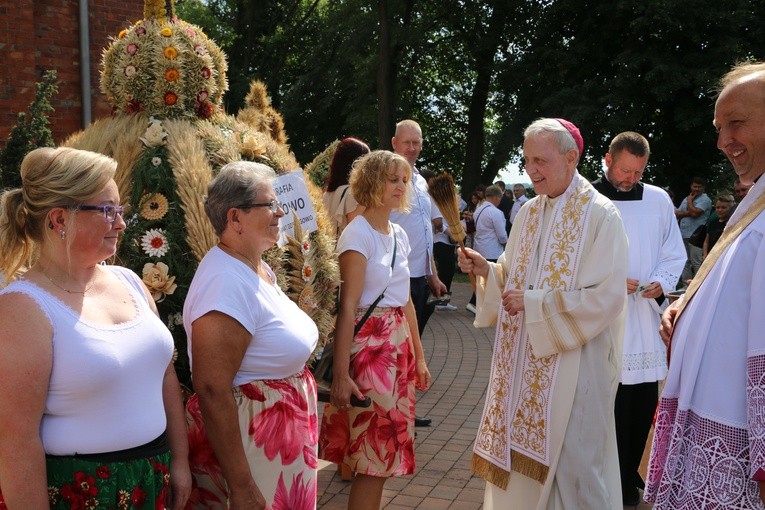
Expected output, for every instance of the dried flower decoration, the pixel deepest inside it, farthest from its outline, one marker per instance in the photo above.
(155, 134)
(154, 206)
(154, 242)
(170, 99)
(197, 64)
(157, 279)
(250, 147)
(205, 110)
(156, 161)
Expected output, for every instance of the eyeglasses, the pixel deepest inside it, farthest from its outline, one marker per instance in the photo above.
(110, 211)
(273, 205)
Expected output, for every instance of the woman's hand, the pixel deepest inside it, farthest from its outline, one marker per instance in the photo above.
(422, 375)
(342, 389)
(180, 484)
(249, 498)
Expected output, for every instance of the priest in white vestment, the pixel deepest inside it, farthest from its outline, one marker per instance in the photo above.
(546, 438)
(656, 260)
(708, 448)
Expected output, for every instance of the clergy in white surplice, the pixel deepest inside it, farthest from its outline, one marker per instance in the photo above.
(655, 262)
(708, 448)
(546, 439)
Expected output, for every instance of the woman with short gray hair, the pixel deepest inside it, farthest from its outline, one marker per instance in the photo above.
(253, 421)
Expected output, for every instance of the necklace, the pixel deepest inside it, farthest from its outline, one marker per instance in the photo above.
(53, 281)
(245, 257)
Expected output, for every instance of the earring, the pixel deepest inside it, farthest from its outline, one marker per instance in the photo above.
(63, 234)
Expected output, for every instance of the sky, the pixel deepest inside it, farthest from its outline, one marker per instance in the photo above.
(511, 175)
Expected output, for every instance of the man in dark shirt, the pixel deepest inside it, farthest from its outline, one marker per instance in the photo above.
(505, 205)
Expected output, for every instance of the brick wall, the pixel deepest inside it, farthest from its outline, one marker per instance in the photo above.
(38, 35)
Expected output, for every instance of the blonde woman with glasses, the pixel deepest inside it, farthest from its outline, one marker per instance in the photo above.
(90, 407)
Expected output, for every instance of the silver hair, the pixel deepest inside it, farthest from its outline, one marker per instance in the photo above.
(237, 184)
(563, 139)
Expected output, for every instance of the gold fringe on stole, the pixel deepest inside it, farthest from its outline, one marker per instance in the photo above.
(528, 467)
(492, 473)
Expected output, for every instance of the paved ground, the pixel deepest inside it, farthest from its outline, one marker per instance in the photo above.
(459, 357)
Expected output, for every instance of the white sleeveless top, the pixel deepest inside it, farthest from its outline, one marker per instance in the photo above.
(105, 390)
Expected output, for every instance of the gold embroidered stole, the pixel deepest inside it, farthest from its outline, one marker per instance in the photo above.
(726, 239)
(518, 439)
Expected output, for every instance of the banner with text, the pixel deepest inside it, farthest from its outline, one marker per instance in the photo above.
(292, 194)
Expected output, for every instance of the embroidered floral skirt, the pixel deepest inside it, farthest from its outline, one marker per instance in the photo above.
(278, 423)
(84, 484)
(377, 440)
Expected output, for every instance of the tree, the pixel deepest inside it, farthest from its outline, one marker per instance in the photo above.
(30, 132)
(474, 74)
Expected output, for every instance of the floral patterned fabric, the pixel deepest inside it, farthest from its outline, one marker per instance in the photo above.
(278, 421)
(75, 484)
(377, 440)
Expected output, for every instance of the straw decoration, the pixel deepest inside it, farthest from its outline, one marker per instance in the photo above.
(444, 193)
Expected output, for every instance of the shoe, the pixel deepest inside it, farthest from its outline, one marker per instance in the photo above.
(470, 308)
(446, 307)
(422, 422)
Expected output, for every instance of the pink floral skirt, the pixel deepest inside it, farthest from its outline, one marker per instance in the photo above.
(376, 440)
(278, 422)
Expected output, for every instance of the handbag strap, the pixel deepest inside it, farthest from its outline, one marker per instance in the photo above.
(371, 308)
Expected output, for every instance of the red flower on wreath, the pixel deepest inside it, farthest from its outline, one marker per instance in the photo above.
(103, 472)
(205, 110)
(138, 497)
(170, 99)
(134, 106)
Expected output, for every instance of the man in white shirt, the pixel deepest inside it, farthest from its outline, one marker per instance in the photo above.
(490, 233)
(418, 224)
(656, 260)
(519, 191)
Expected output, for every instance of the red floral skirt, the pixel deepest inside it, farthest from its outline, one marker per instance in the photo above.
(377, 440)
(78, 484)
(278, 422)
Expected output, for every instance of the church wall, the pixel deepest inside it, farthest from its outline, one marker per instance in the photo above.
(38, 35)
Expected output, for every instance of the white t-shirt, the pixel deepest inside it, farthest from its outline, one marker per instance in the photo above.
(377, 248)
(283, 336)
(490, 233)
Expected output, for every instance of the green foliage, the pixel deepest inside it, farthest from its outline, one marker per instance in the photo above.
(474, 74)
(154, 188)
(31, 131)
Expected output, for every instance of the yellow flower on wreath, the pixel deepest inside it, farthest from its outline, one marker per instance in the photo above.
(170, 53)
(172, 74)
(166, 32)
(157, 279)
(154, 206)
